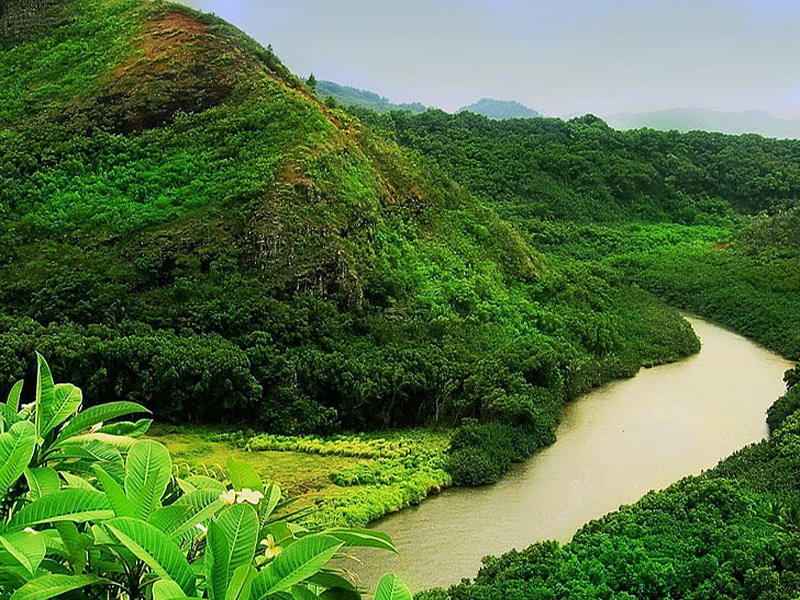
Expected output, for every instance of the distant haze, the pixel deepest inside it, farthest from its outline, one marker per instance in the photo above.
(687, 119)
(560, 58)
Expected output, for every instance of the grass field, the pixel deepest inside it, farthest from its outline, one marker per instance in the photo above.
(346, 480)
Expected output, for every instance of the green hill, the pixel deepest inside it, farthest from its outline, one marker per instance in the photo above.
(188, 226)
(350, 96)
(500, 109)
(582, 170)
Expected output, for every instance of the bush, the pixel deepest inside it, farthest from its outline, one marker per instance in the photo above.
(481, 453)
(782, 409)
(121, 525)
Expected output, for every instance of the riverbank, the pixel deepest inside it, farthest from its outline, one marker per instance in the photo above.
(344, 480)
(615, 444)
(354, 480)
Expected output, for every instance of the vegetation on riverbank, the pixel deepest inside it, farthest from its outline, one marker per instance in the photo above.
(187, 226)
(90, 510)
(746, 277)
(732, 532)
(344, 480)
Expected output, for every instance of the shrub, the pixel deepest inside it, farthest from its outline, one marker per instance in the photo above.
(88, 507)
(481, 453)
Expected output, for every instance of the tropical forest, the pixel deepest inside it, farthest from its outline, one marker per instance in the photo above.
(285, 313)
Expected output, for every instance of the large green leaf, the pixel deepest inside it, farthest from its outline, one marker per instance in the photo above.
(119, 501)
(127, 429)
(75, 481)
(391, 587)
(216, 566)
(147, 472)
(120, 442)
(50, 586)
(28, 548)
(17, 446)
(169, 518)
(8, 411)
(272, 495)
(241, 581)
(54, 403)
(75, 544)
(244, 476)
(363, 538)
(42, 481)
(239, 523)
(297, 562)
(204, 503)
(153, 547)
(331, 581)
(45, 395)
(65, 505)
(166, 590)
(93, 449)
(14, 395)
(96, 415)
(203, 482)
(303, 593)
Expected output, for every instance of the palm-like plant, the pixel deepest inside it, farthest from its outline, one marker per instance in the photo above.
(89, 510)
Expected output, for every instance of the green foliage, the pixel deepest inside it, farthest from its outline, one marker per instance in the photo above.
(582, 170)
(783, 408)
(729, 533)
(125, 528)
(403, 469)
(480, 454)
(740, 280)
(188, 228)
(391, 587)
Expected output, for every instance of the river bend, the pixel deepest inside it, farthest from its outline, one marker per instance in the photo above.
(614, 445)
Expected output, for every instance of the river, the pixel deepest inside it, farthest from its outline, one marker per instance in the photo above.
(614, 445)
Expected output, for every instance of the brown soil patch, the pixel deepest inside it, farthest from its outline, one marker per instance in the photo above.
(180, 66)
(166, 38)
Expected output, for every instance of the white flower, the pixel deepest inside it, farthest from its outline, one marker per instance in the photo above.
(247, 495)
(30, 530)
(272, 550)
(228, 497)
(203, 529)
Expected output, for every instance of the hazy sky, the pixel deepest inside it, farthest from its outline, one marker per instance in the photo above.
(561, 57)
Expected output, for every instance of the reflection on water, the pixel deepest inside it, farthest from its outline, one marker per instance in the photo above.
(614, 445)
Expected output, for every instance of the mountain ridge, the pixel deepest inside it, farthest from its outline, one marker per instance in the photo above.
(500, 109)
(191, 227)
(690, 119)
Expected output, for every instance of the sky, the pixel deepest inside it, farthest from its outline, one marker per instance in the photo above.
(560, 57)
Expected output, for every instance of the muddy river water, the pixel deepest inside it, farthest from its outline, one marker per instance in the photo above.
(614, 445)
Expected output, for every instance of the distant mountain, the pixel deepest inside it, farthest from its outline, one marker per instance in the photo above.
(500, 109)
(350, 96)
(690, 119)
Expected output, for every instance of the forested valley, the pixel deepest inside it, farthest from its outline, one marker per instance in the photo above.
(710, 224)
(190, 232)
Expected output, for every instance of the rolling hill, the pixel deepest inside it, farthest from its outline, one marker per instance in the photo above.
(189, 226)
